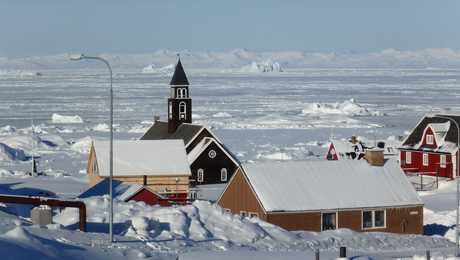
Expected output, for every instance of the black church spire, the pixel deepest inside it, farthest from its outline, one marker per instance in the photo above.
(179, 78)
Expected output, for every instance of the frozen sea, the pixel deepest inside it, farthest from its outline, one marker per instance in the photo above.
(253, 113)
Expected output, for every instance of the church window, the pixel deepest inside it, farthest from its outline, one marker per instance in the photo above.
(200, 175)
(223, 174)
(212, 154)
(182, 110)
(170, 111)
(181, 93)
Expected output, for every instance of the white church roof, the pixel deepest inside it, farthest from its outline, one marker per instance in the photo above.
(143, 157)
(329, 185)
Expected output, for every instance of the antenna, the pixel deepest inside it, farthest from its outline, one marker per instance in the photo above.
(33, 146)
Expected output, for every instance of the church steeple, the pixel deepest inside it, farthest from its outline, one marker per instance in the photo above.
(179, 102)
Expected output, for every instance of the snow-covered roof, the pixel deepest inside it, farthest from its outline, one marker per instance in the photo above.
(121, 190)
(198, 149)
(446, 133)
(325, 185)
(146, 157)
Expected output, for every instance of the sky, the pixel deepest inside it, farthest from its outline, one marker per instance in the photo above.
(32, 27)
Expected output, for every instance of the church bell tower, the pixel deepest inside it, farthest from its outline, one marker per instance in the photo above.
(179, 102)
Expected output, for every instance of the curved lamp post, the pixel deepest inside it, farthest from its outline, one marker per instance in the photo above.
(79, 57)
(457, 231)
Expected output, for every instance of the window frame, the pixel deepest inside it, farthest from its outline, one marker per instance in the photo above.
(223, 172)
(373, 219)
(182, 110)
(443, 161)
(253, 214)
(425, 159)
(244, 213)
(336, 219)
(429, 139)
(408, 157)
(200, 175)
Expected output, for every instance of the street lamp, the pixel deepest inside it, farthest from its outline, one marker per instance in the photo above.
(79, 57)
(457, 231)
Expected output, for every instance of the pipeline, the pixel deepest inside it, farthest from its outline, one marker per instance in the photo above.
(37, 201)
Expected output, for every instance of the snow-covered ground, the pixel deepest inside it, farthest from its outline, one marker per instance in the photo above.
(259, 116)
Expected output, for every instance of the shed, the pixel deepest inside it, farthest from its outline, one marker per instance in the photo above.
(321, 195)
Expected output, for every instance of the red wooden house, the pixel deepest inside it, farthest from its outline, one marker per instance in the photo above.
(431, 148)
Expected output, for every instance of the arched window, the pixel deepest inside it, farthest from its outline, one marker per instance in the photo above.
(200, 175)
(181, 93)
(182, 110)
(223, 174)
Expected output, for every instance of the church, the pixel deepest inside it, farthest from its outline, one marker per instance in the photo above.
(211, 163)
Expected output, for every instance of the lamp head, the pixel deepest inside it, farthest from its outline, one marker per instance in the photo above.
(76, 57)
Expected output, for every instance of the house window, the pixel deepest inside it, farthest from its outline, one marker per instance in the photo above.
(227, 211)
(223, 174)
(243, 213)
(253, 214)
(328, 221)
(373, 219)
(425, 159)
(212, 154)
(442, 161)
(429, 139)
(170, 110)
(408, 157)
(182, 110)
(193, 195)
(200, 177)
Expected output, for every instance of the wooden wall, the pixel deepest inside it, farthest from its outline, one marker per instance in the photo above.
(238, 196)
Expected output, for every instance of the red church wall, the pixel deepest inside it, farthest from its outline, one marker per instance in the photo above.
(433, 168)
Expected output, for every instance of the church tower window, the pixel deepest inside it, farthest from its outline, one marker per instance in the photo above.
(182, 110)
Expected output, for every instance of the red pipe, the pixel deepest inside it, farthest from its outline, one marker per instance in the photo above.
(37, 201)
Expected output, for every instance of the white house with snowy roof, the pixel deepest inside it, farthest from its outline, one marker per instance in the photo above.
(432, 147)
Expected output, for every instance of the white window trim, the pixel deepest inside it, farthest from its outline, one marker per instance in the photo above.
(442, 161)
(336, 219)
(425, 159)
(373, 219)
(408, 157)
(429, 139)
(244, 213)
(200, 175)
(182, 114)
(223, 174)
(253, 214)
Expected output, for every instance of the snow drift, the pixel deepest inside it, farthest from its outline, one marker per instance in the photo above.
(348, 107)
(8, 153)
(204, 224)
(62, 119)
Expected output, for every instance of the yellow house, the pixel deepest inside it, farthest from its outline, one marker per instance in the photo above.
(160, 165)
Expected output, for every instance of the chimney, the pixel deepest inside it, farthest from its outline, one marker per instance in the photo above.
(156, 118)
(375, 157)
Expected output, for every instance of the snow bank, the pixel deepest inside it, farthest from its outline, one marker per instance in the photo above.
(265, 66)
(62, 119)
(348, 107)
(152, 69)
(101, 127)
(200, 223)
(7, 130)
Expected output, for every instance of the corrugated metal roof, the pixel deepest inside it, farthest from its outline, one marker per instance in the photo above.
(324, 185)
(146, 157)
